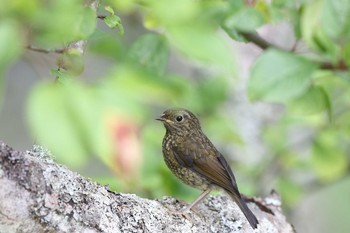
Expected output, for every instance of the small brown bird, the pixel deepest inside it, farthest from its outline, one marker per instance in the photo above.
(194, 159)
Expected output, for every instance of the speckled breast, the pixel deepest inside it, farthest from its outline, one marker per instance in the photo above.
(185, 174)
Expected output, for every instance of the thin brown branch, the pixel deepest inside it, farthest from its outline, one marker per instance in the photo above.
(41, 50)
(259, 202)
(257, 40)
(338, 66)
(263, 44)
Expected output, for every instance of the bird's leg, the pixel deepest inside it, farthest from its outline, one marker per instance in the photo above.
(184, 211)
(195, 202)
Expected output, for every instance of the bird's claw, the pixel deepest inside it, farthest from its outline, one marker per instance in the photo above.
(185, 212)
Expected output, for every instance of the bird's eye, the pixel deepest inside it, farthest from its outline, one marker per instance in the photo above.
(179, 118)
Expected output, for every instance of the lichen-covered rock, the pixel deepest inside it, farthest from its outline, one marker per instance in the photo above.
(38, 195)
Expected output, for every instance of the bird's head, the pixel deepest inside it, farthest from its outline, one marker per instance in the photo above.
(179, 121)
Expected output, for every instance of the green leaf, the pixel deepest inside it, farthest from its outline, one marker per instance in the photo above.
(204, 44)
(62, 22)
(113, 21)
(234, 34)
(335, 18)
(72, 62)
(279, 76)
(107, 44)
(313, 32)
(246, 19)
(314, 100)
(109, 9)
(173, 12)
(86, 23)
(329, 159)
(151, 52)
(62, 76)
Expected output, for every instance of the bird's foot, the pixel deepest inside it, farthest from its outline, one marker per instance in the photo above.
(185, 212)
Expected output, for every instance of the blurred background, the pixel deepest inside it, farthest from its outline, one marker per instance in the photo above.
(269, 81)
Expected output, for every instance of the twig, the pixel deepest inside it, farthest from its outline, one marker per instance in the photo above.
(41, 50)
(263, 44)
(257, 40)
(338, 66)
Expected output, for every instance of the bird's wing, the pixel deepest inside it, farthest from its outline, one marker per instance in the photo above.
(208, 162)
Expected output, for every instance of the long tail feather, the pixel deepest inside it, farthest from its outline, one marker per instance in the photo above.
(253, 221)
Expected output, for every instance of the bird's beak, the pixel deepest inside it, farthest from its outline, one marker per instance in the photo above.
(161, 118)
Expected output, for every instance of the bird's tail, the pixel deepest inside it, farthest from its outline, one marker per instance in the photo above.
(245, 209)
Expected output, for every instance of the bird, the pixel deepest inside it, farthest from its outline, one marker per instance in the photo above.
(192, 157)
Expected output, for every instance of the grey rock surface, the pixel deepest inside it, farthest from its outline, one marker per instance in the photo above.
(39, 195)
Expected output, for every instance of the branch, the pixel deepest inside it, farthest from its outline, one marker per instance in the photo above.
(339, 66)
(257, 40)
(101, 17)
(41, 50)
(77, 45)
(254, 38)
(42, 196)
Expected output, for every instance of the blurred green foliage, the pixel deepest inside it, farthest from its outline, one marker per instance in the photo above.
(111, 118)
(279, 76)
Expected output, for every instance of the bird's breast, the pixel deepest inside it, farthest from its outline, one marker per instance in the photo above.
(185, 174)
